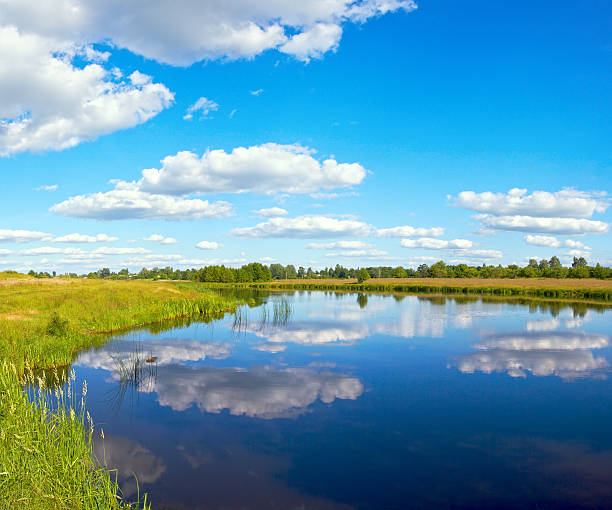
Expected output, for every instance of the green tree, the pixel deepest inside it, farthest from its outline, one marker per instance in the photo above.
(579, 262)
(437, 270)
(399, 272)
(362, 275)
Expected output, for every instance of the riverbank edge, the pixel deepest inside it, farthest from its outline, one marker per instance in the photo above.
(596, 295)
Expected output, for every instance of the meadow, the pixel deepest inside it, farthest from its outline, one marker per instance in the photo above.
(45, 322)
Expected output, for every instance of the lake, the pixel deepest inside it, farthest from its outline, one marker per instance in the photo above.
(323, 400)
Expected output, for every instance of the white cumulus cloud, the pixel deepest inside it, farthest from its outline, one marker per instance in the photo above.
(309, 227)
(272, 212)
(208, 245)
(267, 168)
(408, 231)
(567, 203)
(538, 240)
(181, 33)
(124, 203)
(314, 42)
(429, 243)
(87, 101)
(81, 238)
(343, 245)
(202, 105)
(158, 238)
(567, 226)
(553, 242)
(22, 236)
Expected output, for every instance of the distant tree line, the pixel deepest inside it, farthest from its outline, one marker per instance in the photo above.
(256, 272)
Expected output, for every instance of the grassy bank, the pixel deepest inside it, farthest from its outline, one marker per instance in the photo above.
(44, 322)
(46, 459)
(589, 289)
(46, 456)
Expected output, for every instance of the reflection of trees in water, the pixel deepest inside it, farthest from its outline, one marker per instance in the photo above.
(362, 300)
(554, 308)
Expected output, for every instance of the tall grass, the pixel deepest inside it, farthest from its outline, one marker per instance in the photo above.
(46, 448)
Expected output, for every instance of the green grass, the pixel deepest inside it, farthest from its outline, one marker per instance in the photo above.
(46, 452)
(45, 322)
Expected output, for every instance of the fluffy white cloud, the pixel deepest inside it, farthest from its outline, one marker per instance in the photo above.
(46, 51)
(158, 238)
(202, 105)
(568, 226)
(268, 168)
(22, 236)
(567, 203)
(98, 252)
(127, 203)
(408, 231)
(314, 42)
(343, 245)
(87, 101)
(570, 243)
(272, 212)
(363, 254)
(49, 187)
(81, 238)
(553, 242)
(537, 240)
(578, 253)
(480, 254)
(436, 244)
(182, 33)
(208, 245)
(305, 227)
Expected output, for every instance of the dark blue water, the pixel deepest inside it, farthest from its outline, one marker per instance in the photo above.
(364, 402)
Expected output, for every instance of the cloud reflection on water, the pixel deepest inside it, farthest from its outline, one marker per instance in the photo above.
(563, 354)
(262, 392)
(135, 464)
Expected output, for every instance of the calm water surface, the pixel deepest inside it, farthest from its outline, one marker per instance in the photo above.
(365, 402)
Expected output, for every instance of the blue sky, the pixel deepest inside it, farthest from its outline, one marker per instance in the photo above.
(360, 133)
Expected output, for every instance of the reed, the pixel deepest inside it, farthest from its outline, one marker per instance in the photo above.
(46, 448)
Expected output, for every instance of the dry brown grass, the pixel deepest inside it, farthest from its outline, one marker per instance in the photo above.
(533, 283)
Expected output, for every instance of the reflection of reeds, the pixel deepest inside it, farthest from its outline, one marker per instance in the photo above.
(277, 313)
(135, 374)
